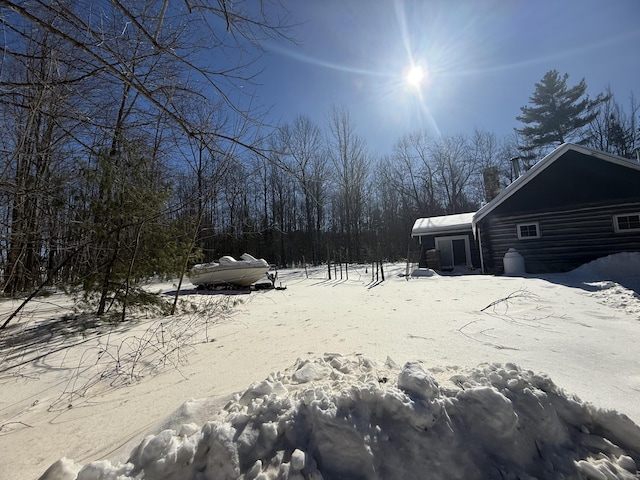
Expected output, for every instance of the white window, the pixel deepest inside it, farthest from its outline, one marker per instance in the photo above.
(627, 223)
(528, 230)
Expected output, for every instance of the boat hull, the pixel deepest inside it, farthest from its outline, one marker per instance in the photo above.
(242, 273)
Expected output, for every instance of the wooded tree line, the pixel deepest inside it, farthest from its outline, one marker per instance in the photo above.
(320, 194)
(105, 105)
(126, 155)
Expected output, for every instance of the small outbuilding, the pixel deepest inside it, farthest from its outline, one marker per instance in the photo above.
(447, 242)
(573, 206)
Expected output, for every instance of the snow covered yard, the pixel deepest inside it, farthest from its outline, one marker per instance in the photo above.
(342, 378)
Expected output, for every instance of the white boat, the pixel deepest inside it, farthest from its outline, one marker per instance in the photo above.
(229, 271)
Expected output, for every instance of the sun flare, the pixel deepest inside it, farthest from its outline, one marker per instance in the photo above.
(415, 76)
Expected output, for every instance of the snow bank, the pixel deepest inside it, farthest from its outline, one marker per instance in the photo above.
(613, 267)
(615, 278)
(348, 417)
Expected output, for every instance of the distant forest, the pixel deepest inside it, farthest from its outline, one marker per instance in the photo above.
(125, 157)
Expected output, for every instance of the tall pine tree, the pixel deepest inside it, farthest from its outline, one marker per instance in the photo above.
(556, 113)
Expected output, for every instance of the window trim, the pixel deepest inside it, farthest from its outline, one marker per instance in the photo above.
(616, 222)
(527, 224)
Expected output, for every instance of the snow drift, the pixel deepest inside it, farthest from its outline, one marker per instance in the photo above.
(349, 417)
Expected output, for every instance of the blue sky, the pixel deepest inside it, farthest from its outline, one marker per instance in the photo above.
(483, 58)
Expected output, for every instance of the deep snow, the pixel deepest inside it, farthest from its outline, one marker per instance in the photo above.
(337, 417)
(442, 377)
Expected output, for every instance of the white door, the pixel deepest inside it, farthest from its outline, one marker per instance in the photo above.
(454, 251)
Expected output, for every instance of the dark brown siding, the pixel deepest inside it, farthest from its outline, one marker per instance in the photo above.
(569, 237)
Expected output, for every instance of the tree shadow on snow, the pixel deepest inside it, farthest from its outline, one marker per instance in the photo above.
(27, 342)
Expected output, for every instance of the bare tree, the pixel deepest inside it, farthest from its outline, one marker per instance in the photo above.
(282, 203)
(412, 172)
(390, 211)
(454, 168)
(303, 154)
(37, 92)
(175, 39)
(614, 130)
(351, 162)
(489, 167)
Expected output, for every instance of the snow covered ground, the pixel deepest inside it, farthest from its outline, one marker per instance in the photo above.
(447, 376)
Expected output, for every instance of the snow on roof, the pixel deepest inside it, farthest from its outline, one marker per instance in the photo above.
(442, 224)
(540, 166)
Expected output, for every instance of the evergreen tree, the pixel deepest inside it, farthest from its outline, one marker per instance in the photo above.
(556, 113)
(127, 235)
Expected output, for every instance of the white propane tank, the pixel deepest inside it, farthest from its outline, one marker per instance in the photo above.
(513, 263)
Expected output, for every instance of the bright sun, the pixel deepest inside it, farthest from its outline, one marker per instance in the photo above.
(415, 76)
